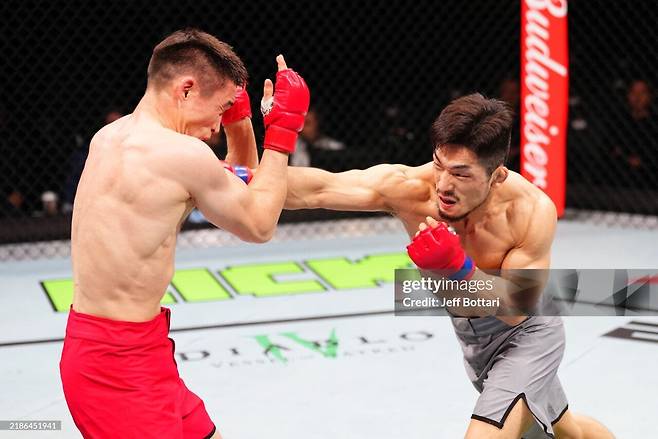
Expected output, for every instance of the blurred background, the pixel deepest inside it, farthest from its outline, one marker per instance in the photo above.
(379, 73)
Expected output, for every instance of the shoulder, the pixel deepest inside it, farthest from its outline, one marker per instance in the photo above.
(412, 176)
(175, 147)
(191, 160)
(173, 155)
(531, 213)
(405, 186)
(396, 174)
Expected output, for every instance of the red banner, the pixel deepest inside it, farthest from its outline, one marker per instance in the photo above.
(544, 96)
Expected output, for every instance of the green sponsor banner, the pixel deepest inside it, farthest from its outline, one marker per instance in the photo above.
(263, 280)
(198, 285)
(329, 350)
(369, 271)
(60, 293)
(258, 280)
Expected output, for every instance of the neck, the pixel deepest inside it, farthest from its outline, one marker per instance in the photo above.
(476, 215)
(161, 108)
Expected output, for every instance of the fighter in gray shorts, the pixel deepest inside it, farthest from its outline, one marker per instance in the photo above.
(506, 363)
(500, 221)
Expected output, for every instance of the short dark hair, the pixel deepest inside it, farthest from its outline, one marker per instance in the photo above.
(482, 125)
(194, 51)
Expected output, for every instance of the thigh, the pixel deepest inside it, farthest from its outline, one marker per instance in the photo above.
(515, 424)
(567, 427)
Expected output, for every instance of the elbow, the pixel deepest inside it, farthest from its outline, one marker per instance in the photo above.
(263, 234)
(293, 203)
(264, 237)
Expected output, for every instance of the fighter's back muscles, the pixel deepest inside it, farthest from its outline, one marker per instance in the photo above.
(395, 188)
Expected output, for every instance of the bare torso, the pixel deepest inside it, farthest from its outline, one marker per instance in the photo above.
(488, 236)
(128, 210)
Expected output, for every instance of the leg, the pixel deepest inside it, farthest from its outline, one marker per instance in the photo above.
(516, 423)
(572, 426)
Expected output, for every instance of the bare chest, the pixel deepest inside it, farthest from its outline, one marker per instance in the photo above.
(487, 248)
(487, 243)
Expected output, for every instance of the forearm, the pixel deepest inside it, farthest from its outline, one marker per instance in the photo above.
(268, 191)
(304, 186)
(241, 144)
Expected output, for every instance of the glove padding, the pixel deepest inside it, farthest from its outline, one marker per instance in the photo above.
(240, 109)
(284, 114)
(437, 248)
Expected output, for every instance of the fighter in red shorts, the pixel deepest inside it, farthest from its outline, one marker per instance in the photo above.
(144, 174)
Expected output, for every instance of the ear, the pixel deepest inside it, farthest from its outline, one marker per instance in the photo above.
(499, 176)
(185, 85)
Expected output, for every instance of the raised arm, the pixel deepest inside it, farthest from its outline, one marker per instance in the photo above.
(251, 212)
(379, 188)
(240, 139)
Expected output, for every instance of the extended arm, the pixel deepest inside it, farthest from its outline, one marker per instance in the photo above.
(251, 212)
(379, 188)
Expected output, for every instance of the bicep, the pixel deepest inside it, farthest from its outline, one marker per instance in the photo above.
(533, 257)
(221, 197)
(524, 258)
(534, 252)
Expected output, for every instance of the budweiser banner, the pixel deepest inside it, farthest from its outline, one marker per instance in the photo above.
(544, 96)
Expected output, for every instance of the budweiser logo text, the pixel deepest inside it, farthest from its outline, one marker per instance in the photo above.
(544, 94)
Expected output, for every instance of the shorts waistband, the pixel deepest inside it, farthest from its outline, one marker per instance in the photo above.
(117, 332)
(489, 325)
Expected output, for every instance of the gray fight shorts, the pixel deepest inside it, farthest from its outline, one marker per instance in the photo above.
(506, 363)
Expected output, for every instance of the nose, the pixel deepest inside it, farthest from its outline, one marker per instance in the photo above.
(444, 182)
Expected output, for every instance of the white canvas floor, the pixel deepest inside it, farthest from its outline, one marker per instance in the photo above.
(390, 377)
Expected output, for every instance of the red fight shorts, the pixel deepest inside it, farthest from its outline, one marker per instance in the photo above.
(120, 380)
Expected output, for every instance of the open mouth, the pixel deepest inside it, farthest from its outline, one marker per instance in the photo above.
(447, 202)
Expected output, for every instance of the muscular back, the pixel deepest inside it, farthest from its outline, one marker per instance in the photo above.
(127, 212)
